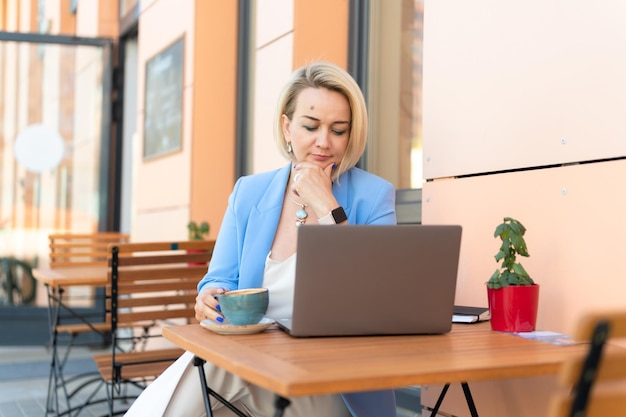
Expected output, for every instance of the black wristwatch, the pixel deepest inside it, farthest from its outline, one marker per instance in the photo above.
(335, 216)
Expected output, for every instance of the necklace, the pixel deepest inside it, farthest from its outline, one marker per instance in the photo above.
(301, 214)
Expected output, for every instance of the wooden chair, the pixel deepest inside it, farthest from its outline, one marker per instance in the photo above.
(70, 250)
(76, 250)
(151, 284)
(599, 379)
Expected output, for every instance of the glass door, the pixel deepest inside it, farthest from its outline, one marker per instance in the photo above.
(55, 155)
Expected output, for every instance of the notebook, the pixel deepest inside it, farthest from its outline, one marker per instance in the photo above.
(374, 280)
(470, 314)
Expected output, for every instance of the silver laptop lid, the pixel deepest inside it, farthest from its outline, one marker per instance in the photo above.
(368, 280)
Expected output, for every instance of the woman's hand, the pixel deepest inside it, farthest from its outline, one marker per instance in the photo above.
(314, 187)
(207, 306)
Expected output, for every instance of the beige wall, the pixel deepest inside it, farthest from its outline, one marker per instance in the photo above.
(162, 184)
(508, 87)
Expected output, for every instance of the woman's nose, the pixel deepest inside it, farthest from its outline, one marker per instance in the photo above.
(323, 139)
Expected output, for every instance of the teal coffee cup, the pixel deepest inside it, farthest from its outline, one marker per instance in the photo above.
(244, 307)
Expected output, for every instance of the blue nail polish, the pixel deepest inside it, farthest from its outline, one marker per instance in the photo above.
(219, 320)
(334, 165)
(294, 166)
(218, 308)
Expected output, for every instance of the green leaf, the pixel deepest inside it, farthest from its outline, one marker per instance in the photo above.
(499, 230)
(493, 281)
(519, 270)
(504, 282)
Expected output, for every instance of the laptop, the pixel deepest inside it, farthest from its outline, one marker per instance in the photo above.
(374, 280)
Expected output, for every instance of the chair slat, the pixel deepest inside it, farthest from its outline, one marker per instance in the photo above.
(164, 259)
(143, 286)
(159, 361)
(149, 273)
(138, 316)
(84, 328)
(155, 301)
(612, 367)
(82, 249)
(617, 320)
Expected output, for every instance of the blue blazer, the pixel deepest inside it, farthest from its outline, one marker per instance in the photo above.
(249, 225)
(247, 232)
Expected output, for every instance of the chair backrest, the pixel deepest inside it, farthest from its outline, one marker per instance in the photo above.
(79, 250)
(595, 386)
(155, 282)
(409, 206)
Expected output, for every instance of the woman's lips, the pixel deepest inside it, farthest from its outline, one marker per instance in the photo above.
(319, 157)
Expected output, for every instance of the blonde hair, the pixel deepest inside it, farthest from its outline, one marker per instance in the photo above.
(334, 78)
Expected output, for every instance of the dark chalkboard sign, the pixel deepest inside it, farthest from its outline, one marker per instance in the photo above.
(164, 101)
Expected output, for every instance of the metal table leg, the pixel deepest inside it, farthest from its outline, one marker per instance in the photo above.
(207, 391)
(281, 403)
(55, 377)
(468, 398)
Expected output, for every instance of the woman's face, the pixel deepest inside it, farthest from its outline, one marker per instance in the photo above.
(320, 127)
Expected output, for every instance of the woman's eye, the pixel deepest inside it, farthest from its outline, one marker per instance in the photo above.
(310, 128)
(338, 132)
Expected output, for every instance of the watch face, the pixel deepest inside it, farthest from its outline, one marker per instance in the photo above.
(339, 215)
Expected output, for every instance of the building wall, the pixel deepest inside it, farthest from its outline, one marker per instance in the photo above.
(162, 186)
(522, 118)
(194, 183)
(288, 34)
(213, 106)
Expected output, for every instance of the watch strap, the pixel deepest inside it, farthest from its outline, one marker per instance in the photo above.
(334, 216)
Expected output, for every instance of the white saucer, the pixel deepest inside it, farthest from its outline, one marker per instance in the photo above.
(233, 329)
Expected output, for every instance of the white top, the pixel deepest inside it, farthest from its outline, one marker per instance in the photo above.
(279, 278)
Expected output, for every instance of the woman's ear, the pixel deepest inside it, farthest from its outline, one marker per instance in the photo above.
(286, 126)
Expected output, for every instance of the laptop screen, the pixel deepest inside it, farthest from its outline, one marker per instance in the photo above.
(366, 279)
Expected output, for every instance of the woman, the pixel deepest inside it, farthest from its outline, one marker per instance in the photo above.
(321, 127)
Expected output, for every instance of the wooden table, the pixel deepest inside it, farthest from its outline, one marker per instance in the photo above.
(56, 281)
(95, 276)
(291, 366)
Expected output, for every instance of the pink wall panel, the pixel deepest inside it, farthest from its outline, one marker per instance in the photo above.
(575, 233)
(513, 85)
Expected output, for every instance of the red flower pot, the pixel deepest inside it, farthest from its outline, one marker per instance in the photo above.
(514, 308)
(195, 263)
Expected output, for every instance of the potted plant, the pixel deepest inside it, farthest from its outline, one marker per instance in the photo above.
(197, 231)
(512, 293)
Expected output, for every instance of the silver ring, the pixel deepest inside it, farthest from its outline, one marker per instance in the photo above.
(297, 177)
